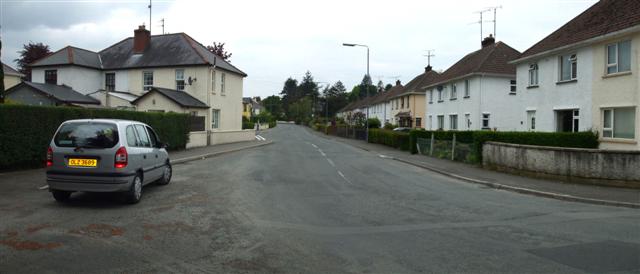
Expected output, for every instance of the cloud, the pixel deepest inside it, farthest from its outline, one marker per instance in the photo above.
(273, 40)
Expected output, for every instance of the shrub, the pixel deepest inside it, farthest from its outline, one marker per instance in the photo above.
(389, 126)
(399, 140)
(27, 130)
(374, 123)
(478, 138)
(247, 124)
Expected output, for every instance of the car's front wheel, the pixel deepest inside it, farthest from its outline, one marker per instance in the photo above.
(60, 195)
(134, 194)
(166, 175)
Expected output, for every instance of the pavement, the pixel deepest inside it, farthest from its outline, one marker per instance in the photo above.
(612, 196)
(306, 204)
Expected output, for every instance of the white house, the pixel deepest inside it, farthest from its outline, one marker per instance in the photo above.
(153, 66)
(380, 105)
(584, 76)
(476, 93)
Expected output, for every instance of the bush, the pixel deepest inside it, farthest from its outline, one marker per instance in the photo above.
(273, 124)
(247, 124)
(389, 126)
(478, 138)
(399, 140)
(374, 123)
(27, 130)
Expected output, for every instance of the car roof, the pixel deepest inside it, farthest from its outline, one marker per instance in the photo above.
(115, 121)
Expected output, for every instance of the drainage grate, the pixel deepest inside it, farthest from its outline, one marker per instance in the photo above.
(598, 257)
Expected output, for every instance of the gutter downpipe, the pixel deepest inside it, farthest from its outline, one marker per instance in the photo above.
(213, 75)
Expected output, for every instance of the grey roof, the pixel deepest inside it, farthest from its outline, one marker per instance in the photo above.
(166, 50)
(246, 100)
(60, 93)
(180, 97)
(10, 71)
(130, 97)
(70, 56)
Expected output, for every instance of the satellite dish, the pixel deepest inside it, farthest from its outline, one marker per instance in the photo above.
(191, 80)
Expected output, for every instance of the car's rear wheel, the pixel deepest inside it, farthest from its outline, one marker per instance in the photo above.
(134, 194)
(60, 195)
(166, 175)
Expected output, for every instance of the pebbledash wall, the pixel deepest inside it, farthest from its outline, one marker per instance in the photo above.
(607, 167)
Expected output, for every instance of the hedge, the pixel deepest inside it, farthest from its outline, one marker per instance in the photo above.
(399, 140)
(27, 130)
(585, 139)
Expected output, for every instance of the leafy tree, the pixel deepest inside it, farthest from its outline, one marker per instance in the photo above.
(367, 88)
(1, 77)
(218, 49)
(273, 104)
(336, 97)
(388, 87)
(301, 111)
(29, 54)
(289, 94)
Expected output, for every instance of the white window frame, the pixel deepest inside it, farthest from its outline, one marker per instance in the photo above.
(454, 92)
(616, 65)
(180, 77)
(213, 80)
(467, 120)
(431, 96)
(440, 121)
(440, 96)
(147, 86)
(467, 87)
(453, 121)
(215, 118)
(486, 117)
(573, 67)
(513, 87)
(223, 83)
(533, 75)
(611, 129)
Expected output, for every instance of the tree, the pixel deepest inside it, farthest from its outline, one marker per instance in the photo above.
(273, 104)
(218, 49)
(380, 86)
(367, 88)
(336, 97)
(289, 94)
(388, 87)
(29, 54)
(308, 87)
(1, 77)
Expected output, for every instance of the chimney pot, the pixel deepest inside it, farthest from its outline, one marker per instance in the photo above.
(397, 82)
(488, 41)
(428, 68)
(141, 39)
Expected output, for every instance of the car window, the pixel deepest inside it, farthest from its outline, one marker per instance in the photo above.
(132, 139)
(152, 137)
(142, 135)
(87, 134)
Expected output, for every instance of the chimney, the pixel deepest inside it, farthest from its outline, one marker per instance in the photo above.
(428, 68)
(397, 83)
(141, 39)
(488, 41)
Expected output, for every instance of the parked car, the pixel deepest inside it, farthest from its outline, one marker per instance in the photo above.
(402, 129)
(105, 155)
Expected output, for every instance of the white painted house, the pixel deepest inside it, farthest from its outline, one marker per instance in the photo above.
(159, 73)
(584, 76)
(477, 93)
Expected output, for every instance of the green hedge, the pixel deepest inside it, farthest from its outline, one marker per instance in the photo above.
(27, 130)
(586, 139)
(399, 140)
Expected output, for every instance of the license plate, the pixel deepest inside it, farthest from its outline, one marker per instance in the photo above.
(83, 162)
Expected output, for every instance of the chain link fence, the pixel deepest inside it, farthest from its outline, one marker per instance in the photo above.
(445, 149)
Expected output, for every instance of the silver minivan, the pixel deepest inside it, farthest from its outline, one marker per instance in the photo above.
(105, 155)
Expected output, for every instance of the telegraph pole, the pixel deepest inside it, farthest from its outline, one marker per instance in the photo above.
(149, 16)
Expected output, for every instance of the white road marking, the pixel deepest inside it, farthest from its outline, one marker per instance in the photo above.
(43, 187)
(321, 152)
(343, 177)
(384, 156)
(331, 162)
(314, 146)
(260, 138)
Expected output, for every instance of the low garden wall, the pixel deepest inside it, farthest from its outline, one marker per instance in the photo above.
(610, 167)
(232, 136)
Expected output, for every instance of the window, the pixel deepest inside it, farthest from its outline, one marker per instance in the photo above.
(132, 139)
(440, 95)
(152, 137)
(467, 120)
(533, 75)
(110, 81)
(407, 101)
(453, 122)
(619, 123)
(397, 103)
(215, 118)
(222, 83)
(142, 135)
(402, 102)
(454, 92)
(51, 77)
(431, 96)
(568, 120)
(619, 57)
(440, 122)
(485, 121)
(418, 122)
(513, 87)
(213, 80)
(91, 135)
(531, 120)
(180, 79)
(147, 80)
(430, 122)
(466, 89)
(568, 67)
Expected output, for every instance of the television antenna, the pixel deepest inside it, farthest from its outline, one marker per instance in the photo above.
(162, 24)
(481, 12)
(429, 55)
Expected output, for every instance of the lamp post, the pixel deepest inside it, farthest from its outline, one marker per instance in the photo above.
(366, 124)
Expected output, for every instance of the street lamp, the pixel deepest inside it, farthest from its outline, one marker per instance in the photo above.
(366, 94)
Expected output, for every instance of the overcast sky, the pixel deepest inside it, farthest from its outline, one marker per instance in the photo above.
(276, 39)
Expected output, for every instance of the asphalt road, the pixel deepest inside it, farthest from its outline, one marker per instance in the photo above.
(308, 204)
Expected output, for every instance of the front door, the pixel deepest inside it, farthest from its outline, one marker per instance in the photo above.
(568, 120)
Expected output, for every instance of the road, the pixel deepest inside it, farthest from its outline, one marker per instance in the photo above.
(306, 204)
